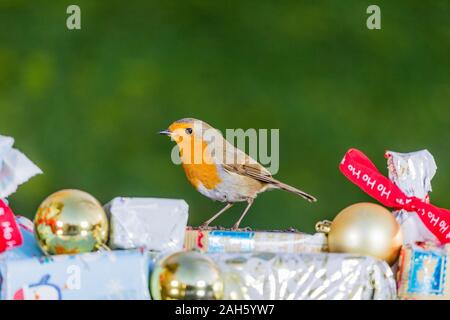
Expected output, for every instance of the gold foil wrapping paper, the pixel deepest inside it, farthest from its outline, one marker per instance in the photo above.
(220, 241)
(423, 272)
(305, 276)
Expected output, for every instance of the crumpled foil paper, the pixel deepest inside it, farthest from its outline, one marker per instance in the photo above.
(305, 276)
(215, 241)
(15, 167)
(154, 223)
(412, 173)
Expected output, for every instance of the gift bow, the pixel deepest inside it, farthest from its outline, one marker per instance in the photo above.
(10, 235)
(357, 167)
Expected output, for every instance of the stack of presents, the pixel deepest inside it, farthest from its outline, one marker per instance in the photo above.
(117, 259)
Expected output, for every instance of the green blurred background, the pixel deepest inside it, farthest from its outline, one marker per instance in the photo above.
(85, 105)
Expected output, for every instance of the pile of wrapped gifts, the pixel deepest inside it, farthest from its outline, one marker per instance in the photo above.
(142, 248)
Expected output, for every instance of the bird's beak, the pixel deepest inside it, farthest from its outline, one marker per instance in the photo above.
(165, 132)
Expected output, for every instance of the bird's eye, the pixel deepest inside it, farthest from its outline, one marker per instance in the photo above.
(189, 130)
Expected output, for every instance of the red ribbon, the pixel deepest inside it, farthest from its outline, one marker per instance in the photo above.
(10, 235)
(362, 172)
(199, 239)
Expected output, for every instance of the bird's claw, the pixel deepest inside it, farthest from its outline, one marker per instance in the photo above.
(236, 228)
(206, 227)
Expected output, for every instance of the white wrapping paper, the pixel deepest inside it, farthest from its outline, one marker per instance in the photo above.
(15, 167)
(154, 223)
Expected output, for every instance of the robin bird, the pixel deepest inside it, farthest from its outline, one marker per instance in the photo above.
(220, 171)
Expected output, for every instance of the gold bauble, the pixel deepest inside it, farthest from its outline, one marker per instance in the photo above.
(186, 276)
(234, 288)
(70, 221)
(368, 229)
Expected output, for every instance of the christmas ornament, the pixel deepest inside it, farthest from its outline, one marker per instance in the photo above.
(234, 288)
(366, 228)
(69, 222)
(186, 276)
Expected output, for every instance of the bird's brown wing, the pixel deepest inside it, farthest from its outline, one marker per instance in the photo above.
(258, 172)
(244, 165)
(252, 170)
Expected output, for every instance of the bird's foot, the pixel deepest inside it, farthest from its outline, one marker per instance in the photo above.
(236, 228)
(206, 227)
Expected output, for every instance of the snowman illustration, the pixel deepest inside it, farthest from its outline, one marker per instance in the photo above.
(42, 290)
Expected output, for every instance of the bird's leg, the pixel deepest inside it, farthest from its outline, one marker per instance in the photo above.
(236, 225)
(214, 217)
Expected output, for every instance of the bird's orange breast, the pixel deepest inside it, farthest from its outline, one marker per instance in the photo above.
(200, 172)
(206, 174)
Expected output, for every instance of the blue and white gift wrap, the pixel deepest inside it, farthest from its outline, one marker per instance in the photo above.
(423, 272)
(99, 275)
(29, 247)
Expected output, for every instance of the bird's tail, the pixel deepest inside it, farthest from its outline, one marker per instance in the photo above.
(286, 187)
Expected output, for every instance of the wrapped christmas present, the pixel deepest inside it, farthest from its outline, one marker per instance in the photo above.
(154, 223)
(213, 241)
(304, 276)
(99, 275)
(29, 247)
(423, 272)
(15, 169)
(419, 167)
(10, 233)
(412, 173)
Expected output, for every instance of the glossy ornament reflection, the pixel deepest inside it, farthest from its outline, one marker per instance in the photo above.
(186, 276)
(366, 228)
(69, 222)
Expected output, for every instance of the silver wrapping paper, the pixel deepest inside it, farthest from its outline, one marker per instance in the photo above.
(412, 173)
(15, 167)
(307, 276)
(153, 223)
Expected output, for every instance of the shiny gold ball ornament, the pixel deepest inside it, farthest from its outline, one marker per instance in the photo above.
(366, 228)
(70, 221)
(186, 275)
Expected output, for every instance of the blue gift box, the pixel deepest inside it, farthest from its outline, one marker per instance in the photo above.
(29, 247)
(98, 275)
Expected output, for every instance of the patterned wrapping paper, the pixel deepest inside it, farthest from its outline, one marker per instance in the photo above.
(154, 223)
(89, 276)
(217, 241)
(29, 247)
(306, 276)
(412, 173)
(423, 272)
